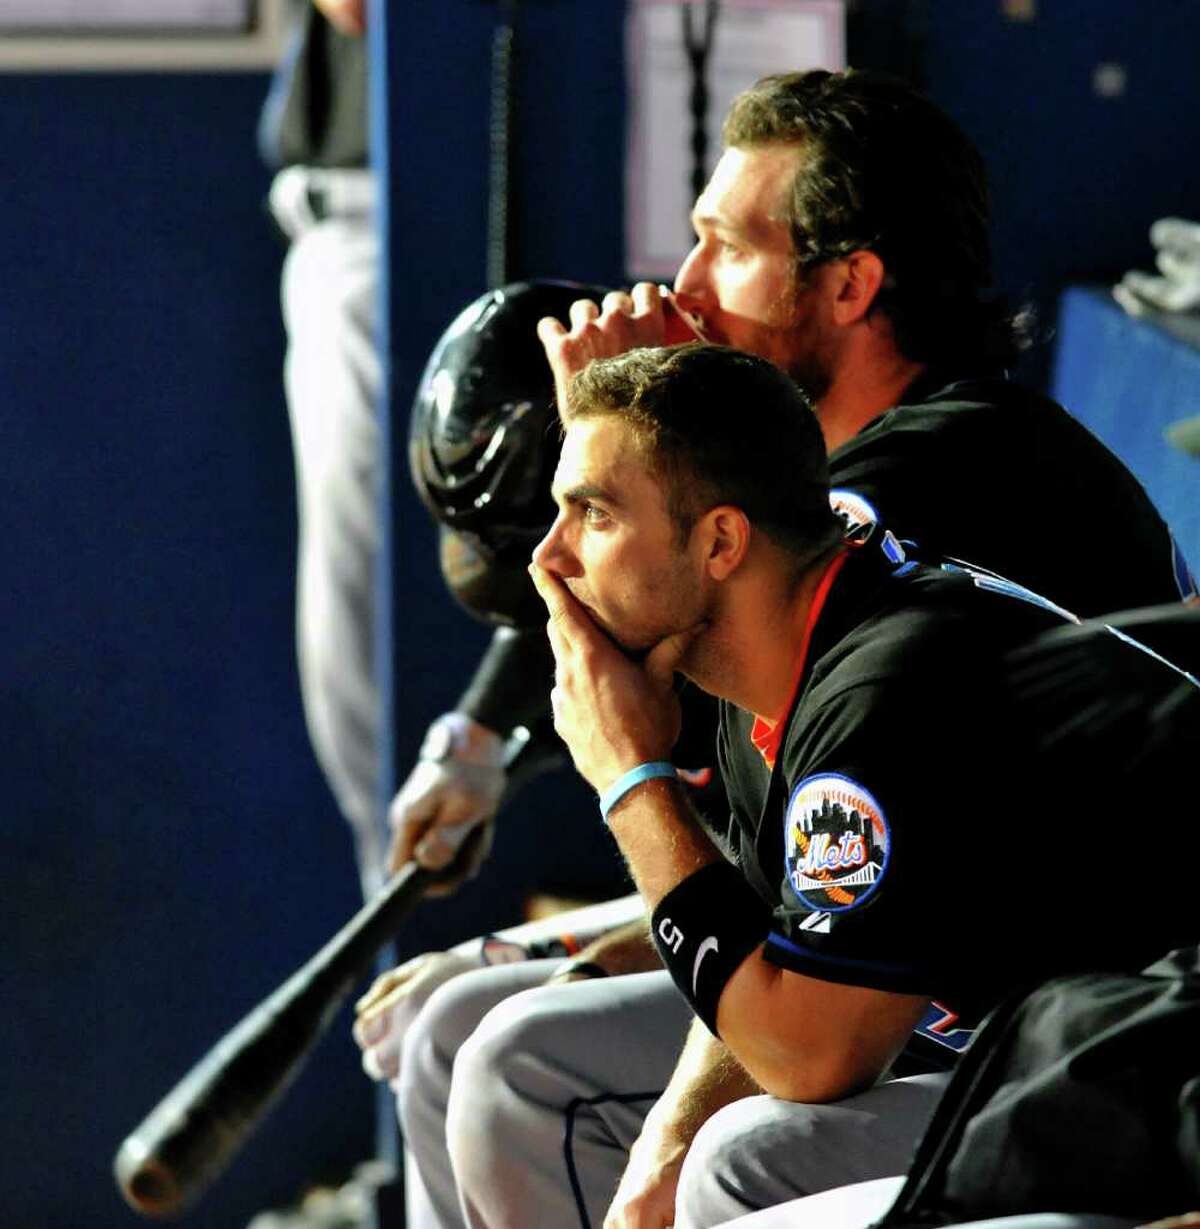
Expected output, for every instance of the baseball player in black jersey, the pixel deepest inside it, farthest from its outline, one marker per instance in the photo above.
(899, 847)
(843, 236)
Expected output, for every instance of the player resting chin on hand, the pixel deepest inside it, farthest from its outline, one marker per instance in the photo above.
(863, 706)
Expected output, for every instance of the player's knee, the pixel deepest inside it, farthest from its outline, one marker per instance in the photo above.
(431, 1043)
(475, 1112)
(422, 1070)
(502, 1081)
(732, 1160)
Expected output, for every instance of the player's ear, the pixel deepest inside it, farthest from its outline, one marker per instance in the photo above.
(857, 281)
(725, 537)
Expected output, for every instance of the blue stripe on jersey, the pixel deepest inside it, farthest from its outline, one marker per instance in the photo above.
(940, 1025)
(1008, 588)
(1158, 657)
(1183, 574)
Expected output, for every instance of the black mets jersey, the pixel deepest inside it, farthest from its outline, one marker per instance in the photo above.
(908, 834)
(988, 471)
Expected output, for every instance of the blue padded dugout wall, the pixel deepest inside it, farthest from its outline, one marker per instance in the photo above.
(1129, 381)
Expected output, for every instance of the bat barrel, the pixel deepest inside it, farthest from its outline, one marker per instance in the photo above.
(186, 1141)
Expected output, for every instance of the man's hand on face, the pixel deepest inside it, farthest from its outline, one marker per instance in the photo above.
(613, 713)
(622, 322)
(348, 16)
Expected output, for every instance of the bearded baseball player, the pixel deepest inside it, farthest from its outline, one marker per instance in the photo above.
(844, 236)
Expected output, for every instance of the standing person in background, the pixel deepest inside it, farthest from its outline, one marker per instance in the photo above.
(314, 128)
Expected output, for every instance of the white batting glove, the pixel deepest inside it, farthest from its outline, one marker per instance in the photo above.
(455, 787)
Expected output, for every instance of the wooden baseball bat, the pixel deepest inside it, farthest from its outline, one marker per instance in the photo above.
(193, 1133)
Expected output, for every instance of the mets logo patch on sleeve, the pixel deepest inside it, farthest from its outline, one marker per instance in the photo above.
(856, 514)
(836, 839)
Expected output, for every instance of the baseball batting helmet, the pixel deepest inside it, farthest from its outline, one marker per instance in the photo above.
(483, 444)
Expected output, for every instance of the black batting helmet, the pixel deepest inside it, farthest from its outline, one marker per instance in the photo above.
(483, 444)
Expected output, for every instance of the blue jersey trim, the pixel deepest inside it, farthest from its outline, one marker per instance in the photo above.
(995, 583)
(1184, 578)
(1158, 657)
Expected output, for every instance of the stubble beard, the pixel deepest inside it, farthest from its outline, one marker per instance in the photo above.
(811, 376)
(683, 610)
(803, 360)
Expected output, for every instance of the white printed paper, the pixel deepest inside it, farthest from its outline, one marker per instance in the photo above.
(751, 38)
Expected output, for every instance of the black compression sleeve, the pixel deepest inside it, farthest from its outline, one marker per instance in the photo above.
(704, 928)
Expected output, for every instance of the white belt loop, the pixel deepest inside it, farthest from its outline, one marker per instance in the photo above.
(302, 196)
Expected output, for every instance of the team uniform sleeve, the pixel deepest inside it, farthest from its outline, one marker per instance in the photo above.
(882, 842)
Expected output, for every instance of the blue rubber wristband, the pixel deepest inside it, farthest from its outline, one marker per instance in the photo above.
(635, 776)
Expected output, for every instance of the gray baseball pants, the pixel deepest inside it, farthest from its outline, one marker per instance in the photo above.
(332, 377)
(519, 1103)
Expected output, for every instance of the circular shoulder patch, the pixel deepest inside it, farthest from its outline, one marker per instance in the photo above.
(856, 514)
(836, 839)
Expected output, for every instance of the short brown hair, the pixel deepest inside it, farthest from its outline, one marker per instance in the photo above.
(720, 427)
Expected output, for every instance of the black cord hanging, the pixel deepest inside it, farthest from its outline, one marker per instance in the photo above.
(697, 46)
(500, 147)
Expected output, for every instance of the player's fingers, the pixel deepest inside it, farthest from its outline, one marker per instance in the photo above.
(469, 855)
(381, 1058)
(647, 299)
(387, 983)
(414, 805)
(662, 660)
(547, 589)
(378, 989)
(373, 1066)
(377, 1020)
(370, 1028)
(563, 609)
(549, 329)
(617, 301)
(583, 311)
(404, 841)
(562, 638)
(442, 844)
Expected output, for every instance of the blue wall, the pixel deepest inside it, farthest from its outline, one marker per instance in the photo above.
(1077, 179)
(170, 847)
(1132, 380)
